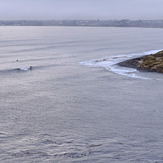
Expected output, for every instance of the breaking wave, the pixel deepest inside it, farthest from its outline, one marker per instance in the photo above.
(25, 68)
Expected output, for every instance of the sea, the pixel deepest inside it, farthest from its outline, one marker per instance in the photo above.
(64, 99)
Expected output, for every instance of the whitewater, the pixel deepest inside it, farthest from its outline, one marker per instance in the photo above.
(111, 63)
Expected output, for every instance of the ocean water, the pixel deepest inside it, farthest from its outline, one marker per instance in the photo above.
(63, 98)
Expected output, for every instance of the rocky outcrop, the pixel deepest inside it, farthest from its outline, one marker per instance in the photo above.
(153, 63)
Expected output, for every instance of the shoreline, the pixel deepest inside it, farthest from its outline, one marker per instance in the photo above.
(132, 63)
(149, 63)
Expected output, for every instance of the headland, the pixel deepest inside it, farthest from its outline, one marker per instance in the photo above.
(152, 63)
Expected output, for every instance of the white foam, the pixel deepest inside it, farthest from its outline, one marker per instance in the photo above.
(26, 68)
(110, 63)
(152, 51)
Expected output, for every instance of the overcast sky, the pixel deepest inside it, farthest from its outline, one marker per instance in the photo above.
(81, 9)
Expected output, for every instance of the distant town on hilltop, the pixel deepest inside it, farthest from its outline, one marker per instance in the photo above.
(93, 23)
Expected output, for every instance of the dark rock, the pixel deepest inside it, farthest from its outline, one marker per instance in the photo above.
(132, 63)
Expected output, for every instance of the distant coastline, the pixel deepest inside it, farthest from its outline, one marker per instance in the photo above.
(85, 23)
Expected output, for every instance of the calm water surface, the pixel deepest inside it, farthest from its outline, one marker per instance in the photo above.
(63, 111)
